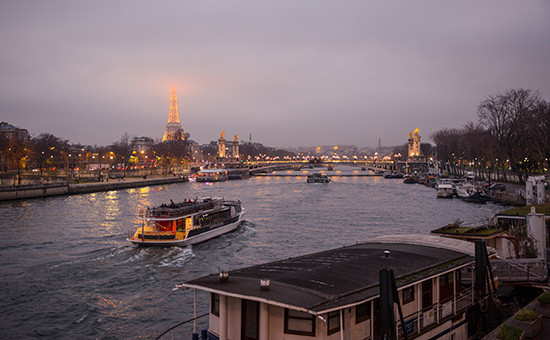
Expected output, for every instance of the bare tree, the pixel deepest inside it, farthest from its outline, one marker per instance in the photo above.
(508, 118)
(122, 150)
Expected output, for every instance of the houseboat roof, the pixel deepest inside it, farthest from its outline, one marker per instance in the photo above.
(321, 282)
(524, 211)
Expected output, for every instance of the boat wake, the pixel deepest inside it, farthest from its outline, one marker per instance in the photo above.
(177, 257)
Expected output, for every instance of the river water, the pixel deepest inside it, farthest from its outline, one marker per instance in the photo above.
(68, 271)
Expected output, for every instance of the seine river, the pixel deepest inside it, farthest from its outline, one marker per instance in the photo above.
(67, 270)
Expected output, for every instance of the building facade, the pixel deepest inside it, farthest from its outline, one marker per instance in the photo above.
(11, 132)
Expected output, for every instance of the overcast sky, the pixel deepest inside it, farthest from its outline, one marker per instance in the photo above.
(288, 72)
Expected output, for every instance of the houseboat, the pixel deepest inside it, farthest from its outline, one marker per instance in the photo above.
(188, 222)
(337, 294)
(318, 178)
(212, 175)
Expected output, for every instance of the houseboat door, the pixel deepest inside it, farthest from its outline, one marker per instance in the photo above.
(250, 320)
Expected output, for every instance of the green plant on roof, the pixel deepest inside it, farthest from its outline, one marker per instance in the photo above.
(508, 332)
(526, 315)
(544, 298)
(523, 211)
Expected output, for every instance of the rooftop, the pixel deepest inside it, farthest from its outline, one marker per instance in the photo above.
(329, 280)
(523, 211)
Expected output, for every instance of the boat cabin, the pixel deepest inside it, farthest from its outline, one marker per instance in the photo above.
(212, 175)
(335, 294)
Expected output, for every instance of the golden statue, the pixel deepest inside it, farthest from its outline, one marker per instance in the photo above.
(236, 138)
(414, 132)
(222, 135)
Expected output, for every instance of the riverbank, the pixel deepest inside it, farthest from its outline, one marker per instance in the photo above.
(9, 193)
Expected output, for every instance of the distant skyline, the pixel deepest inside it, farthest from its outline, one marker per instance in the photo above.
(291, 73)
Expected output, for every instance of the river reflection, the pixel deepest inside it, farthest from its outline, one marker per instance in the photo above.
(68, 271)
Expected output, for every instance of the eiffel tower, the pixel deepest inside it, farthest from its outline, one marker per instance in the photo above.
(174, 131)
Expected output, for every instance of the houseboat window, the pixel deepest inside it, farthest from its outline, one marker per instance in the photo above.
(250, 320)
(446, 287)
(299, 323)
(408, 295)
(215, 304)
(333, 322)
(362, 312)
(427, 294)
(458, 282)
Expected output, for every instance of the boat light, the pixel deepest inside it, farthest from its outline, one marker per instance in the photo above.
(264, 284)
(224, 276)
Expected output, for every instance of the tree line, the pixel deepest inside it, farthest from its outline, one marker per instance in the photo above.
(512, 135)
(47, 154)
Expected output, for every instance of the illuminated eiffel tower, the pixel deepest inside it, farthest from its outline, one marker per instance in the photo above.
(174, 131)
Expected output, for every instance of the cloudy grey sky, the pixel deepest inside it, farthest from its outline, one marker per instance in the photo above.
(288, 72)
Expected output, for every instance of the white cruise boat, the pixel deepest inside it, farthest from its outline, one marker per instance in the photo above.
(445, 189)
(188, 222)
(212, 175)
(318, 178)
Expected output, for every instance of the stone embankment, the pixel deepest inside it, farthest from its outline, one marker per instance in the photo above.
(64, 188)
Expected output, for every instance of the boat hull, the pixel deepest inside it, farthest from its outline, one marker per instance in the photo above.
(193, 239)
(444, 193)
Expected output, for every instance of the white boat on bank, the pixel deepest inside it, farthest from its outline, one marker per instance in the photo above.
(469, 193)
(188, 222)
(445, 189)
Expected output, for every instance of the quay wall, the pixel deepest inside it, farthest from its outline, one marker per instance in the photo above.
(64, 188)
(31, 191)
(109, 186)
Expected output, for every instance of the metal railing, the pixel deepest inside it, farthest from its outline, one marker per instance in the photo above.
(179, 324)
(417, 321)
(521, 269)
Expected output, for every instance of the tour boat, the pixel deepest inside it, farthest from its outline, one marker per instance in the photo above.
(212, 175)
(445, 189)
(318, 178)
(188, 222)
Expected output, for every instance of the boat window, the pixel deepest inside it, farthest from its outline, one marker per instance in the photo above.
(333, 322)
(180, 226)
(458, 282)
(299, 323)
(427, 294)
(362, 312)
(446, 287)
(215, 304)
(408, 295)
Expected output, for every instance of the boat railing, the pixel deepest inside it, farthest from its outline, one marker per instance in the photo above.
(181, 209)
(417, 321)
(180, 324)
